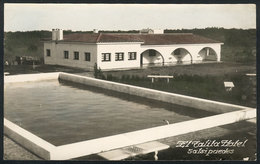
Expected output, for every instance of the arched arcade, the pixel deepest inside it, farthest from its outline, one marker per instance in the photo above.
(207, 54)
(151, 57)
(181, 55)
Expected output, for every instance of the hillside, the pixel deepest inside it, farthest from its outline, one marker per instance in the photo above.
(239, 45)
(24, 44)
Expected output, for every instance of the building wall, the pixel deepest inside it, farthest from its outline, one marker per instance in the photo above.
(183, 56)
(117, 48)
(164, 53)
(57, 54)
(192, 49)
(152, 59)
(208, 54)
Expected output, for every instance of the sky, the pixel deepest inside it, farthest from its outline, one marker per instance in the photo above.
(85, 17)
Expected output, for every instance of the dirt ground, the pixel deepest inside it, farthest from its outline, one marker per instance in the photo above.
(13, 151)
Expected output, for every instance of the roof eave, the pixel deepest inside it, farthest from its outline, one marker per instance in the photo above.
(65, 41)
(184, 43)
(119, 42)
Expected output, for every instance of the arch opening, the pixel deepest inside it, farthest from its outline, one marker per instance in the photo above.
(151, 57)
(181, 55)
(207, 54)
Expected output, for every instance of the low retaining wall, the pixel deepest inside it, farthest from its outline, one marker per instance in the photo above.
(203, 104)
(31, 77)
(28, 140)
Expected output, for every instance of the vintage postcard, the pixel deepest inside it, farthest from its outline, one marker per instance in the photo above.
(137, 82)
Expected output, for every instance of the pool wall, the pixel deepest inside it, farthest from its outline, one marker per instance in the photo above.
(28, 140)
(141, 136)
(31, 77)
(193, 102)
(94, 146)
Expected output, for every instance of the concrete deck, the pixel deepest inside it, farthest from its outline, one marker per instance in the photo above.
(134, 150)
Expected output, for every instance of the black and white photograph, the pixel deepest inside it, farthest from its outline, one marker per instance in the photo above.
(129, 82)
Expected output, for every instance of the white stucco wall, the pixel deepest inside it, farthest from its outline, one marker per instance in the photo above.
(208, 54)
(193, 49)
(57, 54)
(96, 50)
(152, 59)
(166, 51)
(184, 56)
(117, 48)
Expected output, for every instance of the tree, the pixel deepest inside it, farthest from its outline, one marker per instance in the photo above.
(98, 72)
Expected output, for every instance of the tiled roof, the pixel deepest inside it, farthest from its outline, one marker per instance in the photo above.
(146, 39)
(106, 37)
(164, 39)
(78, 37)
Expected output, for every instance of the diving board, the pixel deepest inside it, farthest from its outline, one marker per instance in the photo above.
(131, 151)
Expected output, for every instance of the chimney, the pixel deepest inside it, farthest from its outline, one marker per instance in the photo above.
(95, 30)
(158, 31)
(54, 34)
(57, 34)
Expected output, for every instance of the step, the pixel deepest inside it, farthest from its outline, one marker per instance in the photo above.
(131, 151)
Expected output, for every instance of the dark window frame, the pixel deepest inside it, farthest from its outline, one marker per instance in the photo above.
(177, 52)
(119, 56)
(48, 52)
(152, 53)
(132, 55)
(76, 55)
(87, 56)
(66, 54)
(106, 57)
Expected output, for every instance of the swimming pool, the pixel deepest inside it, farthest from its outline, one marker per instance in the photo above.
(62, 113)
(80, 116)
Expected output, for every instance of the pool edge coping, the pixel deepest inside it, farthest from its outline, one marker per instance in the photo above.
(164, 96)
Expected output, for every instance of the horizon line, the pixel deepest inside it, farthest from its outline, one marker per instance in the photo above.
(135, 29)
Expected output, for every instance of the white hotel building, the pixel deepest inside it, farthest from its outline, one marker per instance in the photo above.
(128, 50)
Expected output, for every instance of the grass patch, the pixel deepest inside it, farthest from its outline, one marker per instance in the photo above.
(207, 87)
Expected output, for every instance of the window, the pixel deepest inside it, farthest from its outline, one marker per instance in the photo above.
(87, 56)
(131, 55)
(106, 57)
(152, 53)
(66, 54)
(119, 56)
(76, 55)
(177, 52)
(48, 52)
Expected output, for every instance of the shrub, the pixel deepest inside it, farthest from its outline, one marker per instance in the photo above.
(98, 72)
(123, 77)
(110, 77)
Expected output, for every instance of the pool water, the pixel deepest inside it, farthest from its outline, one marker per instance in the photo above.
(63, 113)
